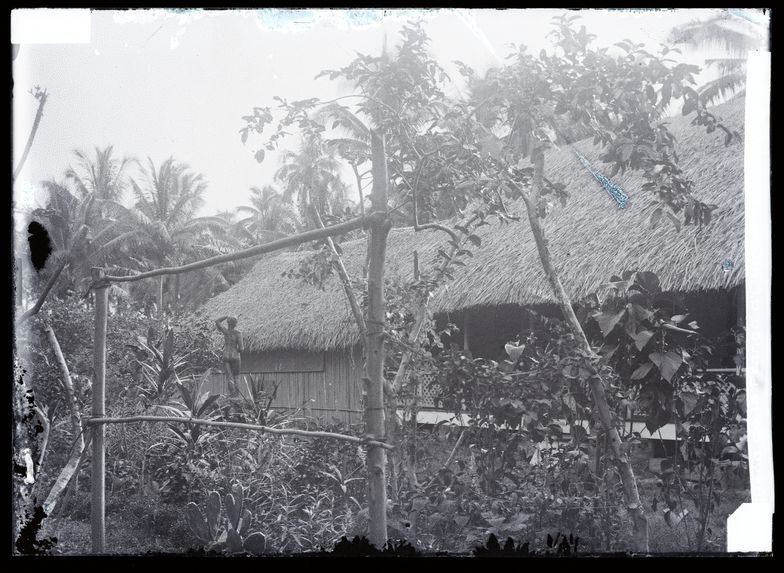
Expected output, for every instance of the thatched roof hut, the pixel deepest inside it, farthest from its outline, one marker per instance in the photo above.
(591, 238)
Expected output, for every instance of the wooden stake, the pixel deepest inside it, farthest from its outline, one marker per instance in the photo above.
(374, 365)
(98, 471)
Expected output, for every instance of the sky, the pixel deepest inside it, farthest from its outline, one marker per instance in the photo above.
(161, 83)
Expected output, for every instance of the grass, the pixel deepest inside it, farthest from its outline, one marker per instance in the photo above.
(682, 537)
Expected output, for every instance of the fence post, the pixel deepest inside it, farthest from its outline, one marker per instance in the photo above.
(98, 475)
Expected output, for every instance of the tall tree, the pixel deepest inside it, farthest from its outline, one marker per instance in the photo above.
(162, 229)
(735, 36)
(270, 214)
(619, 98)
(310, 177)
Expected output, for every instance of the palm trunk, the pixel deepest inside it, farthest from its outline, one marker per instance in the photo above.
(374, 365)
(38, 115)
(631, 494)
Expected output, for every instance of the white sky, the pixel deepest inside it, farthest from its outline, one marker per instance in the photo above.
(156, 83)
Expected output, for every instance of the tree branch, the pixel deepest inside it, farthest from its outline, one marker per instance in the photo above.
(344, 278)
(417, 226)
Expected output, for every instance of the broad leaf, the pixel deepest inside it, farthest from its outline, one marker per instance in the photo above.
(642, 338)
(232, 510)
(642, 371)
(667, 363)
(689, 400)
(256, 543)
(233, 541)
(213, 511)
(197, 523)
(607, 321)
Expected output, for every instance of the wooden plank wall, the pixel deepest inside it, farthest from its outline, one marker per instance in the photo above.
(334, 393)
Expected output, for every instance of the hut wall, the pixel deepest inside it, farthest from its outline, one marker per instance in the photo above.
(324, 385)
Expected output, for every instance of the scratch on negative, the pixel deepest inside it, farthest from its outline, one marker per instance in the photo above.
(615, 191)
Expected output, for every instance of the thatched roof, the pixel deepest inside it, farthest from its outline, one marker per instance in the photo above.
(590, 240)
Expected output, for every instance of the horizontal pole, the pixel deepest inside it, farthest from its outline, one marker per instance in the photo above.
(241, 426)
(293, 240)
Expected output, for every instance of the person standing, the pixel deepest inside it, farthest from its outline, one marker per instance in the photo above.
(232, 348)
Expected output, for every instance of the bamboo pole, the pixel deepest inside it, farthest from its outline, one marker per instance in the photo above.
(374, 364)
(240, 425)
(98, 472)
(306, 237)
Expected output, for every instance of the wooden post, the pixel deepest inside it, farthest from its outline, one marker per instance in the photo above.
(98, 475)
(374, 364)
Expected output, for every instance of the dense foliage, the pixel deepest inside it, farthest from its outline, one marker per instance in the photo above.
(529, 458)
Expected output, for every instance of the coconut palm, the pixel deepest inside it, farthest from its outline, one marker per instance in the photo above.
(271, 214)
(311, 178)
(736, 36)
(354, 144)
(89, 195)
(64, 214)
(162, 229)
(103, 176)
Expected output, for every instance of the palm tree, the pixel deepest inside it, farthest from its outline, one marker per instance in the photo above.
(103, 176)
(271, 214)
(353, 147)
(64, 215)
(89, 195)
(736, 36)
(162, 229)
(311, 177)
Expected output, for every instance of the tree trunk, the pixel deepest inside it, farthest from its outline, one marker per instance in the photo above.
(374, 364)
(67, 473)
(38, 115)
(631, 494)
(73, 406)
